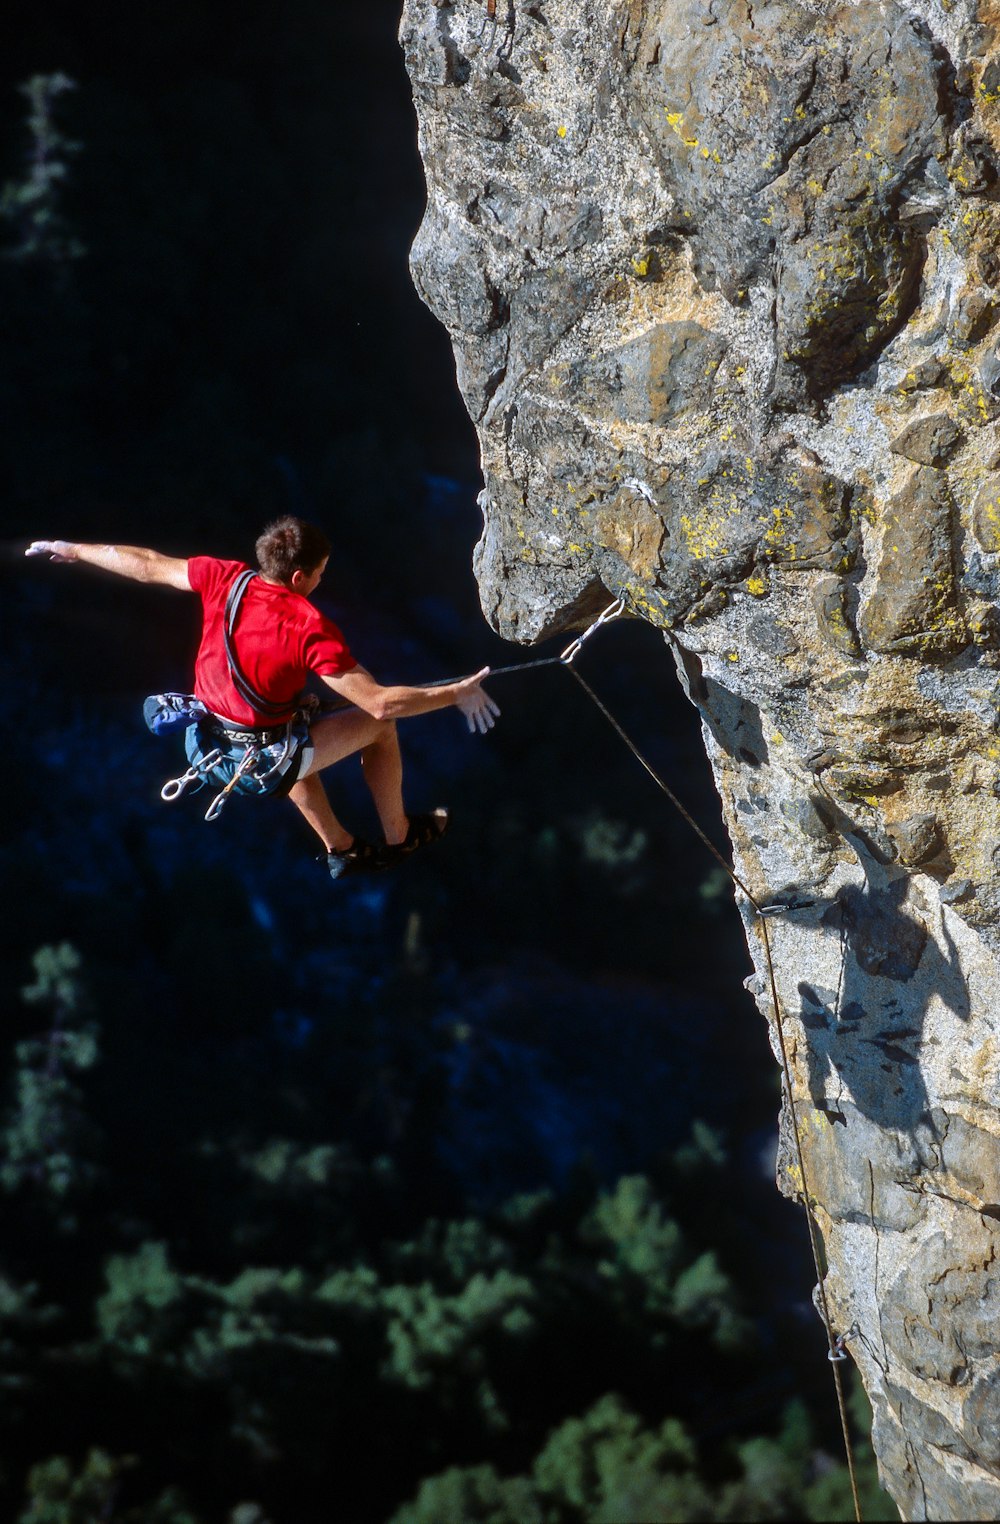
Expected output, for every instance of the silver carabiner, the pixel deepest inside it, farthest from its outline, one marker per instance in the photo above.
(246, 762)
(215, 808)
(282, 756)
(611, 612)
(174, 787)
(838, 1352)
(488, 31)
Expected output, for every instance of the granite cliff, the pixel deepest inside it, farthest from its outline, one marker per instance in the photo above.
(723, 284)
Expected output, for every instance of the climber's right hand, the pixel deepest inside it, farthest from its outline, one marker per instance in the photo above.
(475, 703)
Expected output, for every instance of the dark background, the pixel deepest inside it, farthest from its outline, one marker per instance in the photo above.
(226, 1080)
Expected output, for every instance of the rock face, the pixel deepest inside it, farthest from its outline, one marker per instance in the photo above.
(723, 286)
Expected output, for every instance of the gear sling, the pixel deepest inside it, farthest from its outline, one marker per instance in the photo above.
(243, 760)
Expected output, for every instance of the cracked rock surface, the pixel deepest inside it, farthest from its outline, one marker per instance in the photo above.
(723, 286)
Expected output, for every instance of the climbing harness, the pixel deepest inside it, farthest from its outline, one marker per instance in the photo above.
(248, 763)
(258, 761)
(836, 1351)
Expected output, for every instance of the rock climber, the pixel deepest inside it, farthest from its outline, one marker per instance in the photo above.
(247, 727)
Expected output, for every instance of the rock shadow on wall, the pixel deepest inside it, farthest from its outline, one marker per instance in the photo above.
(733, 722)
(869, 1032)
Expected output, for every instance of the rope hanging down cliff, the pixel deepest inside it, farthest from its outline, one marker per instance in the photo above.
(836, 1352)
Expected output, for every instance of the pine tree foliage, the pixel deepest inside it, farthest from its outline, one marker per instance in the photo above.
(608, 1467)
(646, 1264)
(47, 1142)
(30, 206)
(465, 1335)
(58, 1492)
(289, 1308)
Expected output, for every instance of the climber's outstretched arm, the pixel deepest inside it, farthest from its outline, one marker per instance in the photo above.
(399, 701)
(131, 561)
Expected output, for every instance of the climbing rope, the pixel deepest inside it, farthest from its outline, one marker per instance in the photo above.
(836, 1352)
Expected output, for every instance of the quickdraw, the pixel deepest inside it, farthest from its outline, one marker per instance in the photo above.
(488, 34)
(174, 787)
(839, 1350)
(611, 612)
(491, 26)
(246, 764)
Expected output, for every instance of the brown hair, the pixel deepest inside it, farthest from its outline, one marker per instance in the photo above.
(290, 545)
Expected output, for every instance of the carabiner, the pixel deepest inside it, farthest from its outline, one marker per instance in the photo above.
(215, 808)
(785, 907)
(246, 762)
(838, 1352)
(174, 787)
(488, 31)
(282, 756)
(611, 612)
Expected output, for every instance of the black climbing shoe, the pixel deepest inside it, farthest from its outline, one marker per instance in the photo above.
(360, 857)
(423, 830)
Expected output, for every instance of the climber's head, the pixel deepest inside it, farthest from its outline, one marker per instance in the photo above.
(293, 553)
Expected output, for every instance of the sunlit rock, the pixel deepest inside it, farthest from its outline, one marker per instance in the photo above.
(723, 286)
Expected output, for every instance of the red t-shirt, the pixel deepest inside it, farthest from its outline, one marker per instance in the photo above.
(279, 638)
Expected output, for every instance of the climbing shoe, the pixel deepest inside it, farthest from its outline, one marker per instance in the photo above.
(423, 830)
(360, 857)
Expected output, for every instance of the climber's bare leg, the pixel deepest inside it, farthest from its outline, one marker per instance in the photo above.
(382, 765)
(339, 736)
(309, 797)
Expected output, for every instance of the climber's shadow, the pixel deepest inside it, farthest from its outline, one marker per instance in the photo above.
(869, 1032)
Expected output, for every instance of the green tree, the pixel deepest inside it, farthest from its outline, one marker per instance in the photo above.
(609, 1468)
(30, 205)
(473, 1495)
(60, 1493)
(645, 1262)
(47, 1142)
(148, 1308)
(25, 1327)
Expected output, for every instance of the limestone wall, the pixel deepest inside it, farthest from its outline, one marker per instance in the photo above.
(723, 283)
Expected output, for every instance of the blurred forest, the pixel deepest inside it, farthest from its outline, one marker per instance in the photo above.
(442, 1197)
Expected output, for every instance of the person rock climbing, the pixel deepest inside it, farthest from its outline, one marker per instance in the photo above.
(247, 728)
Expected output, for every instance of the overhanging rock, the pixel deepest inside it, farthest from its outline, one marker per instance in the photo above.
(724, 294)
